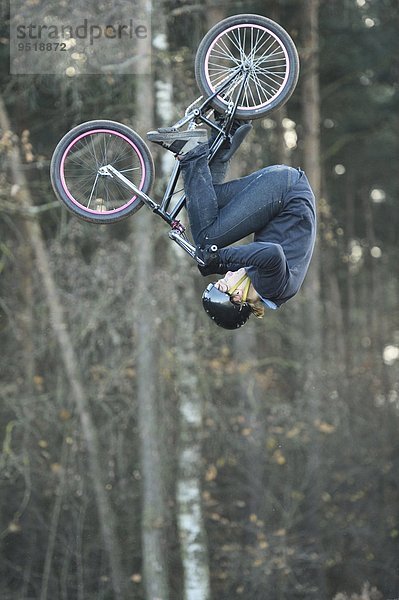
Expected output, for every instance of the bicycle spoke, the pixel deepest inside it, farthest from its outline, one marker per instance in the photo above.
(223, 55)
(119, 152)
(260, 52)
(252, 96)
(275, 56)
(225, 51)
(241, 45)
(79, 157)
(90, 189)
(264, 85)
(220, 79)
(260, 89)
(94, 151)
(235, 38)
(258, 46)
(270, 82)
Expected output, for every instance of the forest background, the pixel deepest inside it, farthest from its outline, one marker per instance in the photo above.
(146, 453)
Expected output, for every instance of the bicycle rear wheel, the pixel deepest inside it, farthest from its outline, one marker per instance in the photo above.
(252, 46)
(77, 179)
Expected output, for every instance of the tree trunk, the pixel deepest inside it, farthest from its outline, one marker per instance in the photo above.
(193, 545)
(70, 362)
(25, 259)
(153, 504)
(153, 513)
(215, 12)
(192, 534)
(54, 523)
(350, 293)
(311, 160)
(190, 523)
(313, 315)
(245, 346)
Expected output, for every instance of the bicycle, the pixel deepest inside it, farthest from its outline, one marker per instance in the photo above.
(246, 66)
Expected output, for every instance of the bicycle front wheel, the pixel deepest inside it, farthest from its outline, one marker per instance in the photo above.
(76, 173)
(248, 46)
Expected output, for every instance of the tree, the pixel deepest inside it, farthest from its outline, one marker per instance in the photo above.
(153, 508)
(313, 310)
(70, 363)
(289, 456)
(191, 525)
(189, 514)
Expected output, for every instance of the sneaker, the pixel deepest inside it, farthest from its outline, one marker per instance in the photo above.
(178, 142)
(211, 257)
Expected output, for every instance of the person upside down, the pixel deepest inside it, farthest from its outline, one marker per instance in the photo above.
(276, 204)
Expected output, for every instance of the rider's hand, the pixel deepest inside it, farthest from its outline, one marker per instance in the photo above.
(229, 280)
(223, 287)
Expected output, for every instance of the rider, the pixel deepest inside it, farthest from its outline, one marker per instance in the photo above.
(276, 204)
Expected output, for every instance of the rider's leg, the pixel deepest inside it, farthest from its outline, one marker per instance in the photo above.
(222, 159)
(226, 213)
(218, 167)
(265, 263)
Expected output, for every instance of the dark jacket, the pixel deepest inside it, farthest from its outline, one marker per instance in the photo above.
(278, 258)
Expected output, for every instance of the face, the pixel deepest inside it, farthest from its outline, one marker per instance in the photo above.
(228, 281)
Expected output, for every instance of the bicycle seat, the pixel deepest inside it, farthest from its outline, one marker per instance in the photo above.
(236, 141)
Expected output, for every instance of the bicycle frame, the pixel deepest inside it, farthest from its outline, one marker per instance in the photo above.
(192, 117)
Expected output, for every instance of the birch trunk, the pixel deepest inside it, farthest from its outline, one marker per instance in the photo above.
(70, 362)
(190, 523)
(191, 526)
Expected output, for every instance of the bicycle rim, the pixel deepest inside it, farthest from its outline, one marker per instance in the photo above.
(257, 49)
(79, 171)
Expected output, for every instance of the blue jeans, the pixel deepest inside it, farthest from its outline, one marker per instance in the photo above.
(224, 213)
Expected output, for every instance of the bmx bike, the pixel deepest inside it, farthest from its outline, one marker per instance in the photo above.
(246, 66)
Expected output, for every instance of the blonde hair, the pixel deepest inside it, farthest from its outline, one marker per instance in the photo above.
(250, 295)
(257, 307)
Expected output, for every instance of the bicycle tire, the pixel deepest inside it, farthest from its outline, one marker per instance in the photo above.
(267, 51)
(74, 171)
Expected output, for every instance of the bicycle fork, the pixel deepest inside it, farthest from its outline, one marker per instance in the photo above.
(177, 233)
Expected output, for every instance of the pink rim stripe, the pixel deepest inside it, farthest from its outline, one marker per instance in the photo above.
(268, 32)
(64, 185)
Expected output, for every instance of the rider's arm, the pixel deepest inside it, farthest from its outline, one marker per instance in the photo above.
(264, 255)
(265, 263)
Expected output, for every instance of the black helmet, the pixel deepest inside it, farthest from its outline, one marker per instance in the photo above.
(220, 308)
